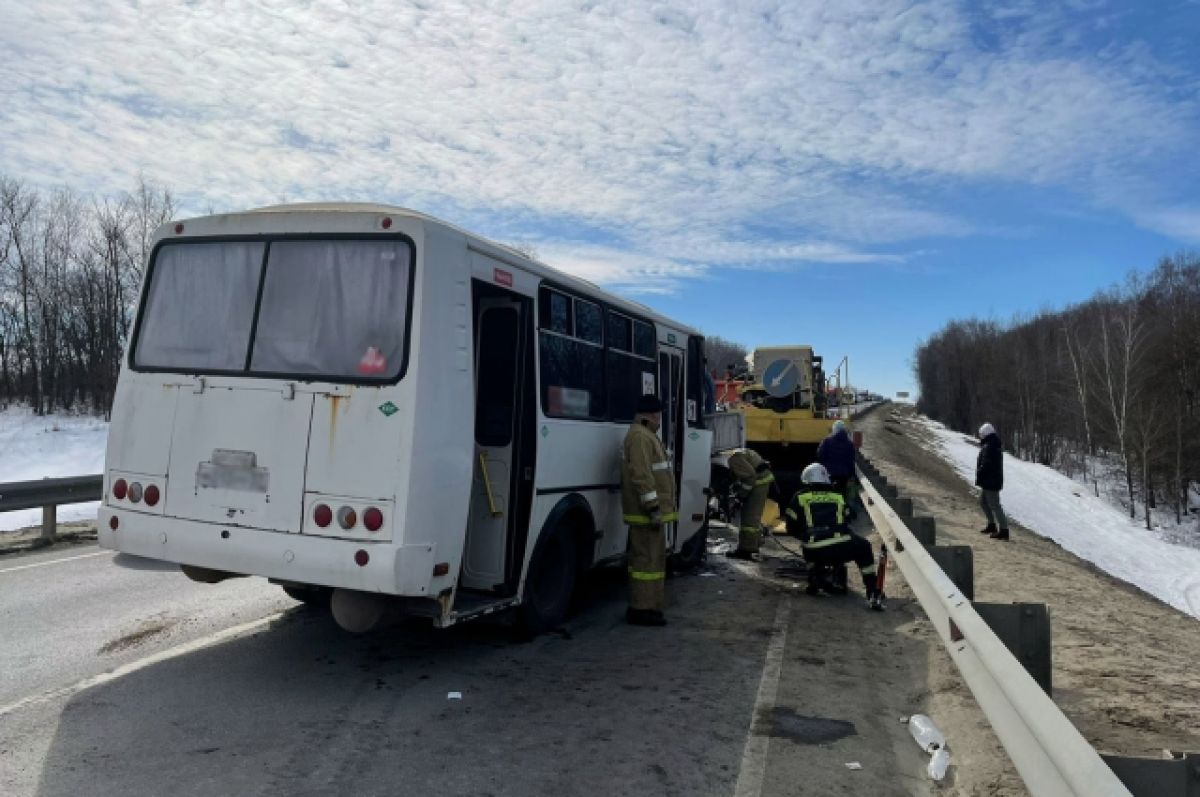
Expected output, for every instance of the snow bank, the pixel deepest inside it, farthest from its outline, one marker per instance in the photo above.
(49, 446)
(1055, 506)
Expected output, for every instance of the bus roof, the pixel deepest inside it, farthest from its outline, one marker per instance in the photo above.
(484, 245)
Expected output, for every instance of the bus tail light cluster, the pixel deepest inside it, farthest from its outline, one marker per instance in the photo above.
(136, 492)
(348, 517)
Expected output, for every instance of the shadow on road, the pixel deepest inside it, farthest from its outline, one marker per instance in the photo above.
(303, 708)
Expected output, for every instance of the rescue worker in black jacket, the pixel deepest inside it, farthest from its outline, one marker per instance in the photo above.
(817, 515)
(989, 478)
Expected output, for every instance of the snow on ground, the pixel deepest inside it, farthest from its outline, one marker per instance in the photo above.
(1055, 506)
(52, 445)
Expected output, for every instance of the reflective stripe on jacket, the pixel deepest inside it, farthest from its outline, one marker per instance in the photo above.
(820, 516)
(647, 482)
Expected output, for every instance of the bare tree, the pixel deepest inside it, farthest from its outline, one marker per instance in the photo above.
(1122, 338)
(723, 354)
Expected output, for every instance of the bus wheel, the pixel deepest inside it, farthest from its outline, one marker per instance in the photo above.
(317, 597)
(550, 582)
(693, 551)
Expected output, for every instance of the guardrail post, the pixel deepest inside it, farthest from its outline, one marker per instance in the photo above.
(1024, 628)
(49, 524)
(1177, 776)
(924, 529)
(957, 562)
(904, 508)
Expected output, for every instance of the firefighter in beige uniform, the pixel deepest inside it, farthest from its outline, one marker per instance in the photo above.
(752, 480)
(648, 504)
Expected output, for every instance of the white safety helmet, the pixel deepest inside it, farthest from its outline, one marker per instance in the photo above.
(986, 430)
(815, 474)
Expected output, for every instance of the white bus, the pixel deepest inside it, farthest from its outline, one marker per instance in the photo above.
(373, 408)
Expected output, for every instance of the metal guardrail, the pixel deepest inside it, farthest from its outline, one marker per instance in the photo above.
(1049, 753)
(49, 494)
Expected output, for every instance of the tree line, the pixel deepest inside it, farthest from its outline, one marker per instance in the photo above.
(70, 268)
(1114, 379)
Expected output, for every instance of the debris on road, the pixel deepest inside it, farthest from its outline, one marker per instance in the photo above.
(939, 762)
(932, 741)
(454, 695)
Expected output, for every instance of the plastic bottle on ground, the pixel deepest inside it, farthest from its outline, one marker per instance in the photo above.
(938, 763)
(926, 733)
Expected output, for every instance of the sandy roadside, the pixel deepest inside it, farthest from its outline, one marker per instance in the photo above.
(1124, 663)
(25, 540)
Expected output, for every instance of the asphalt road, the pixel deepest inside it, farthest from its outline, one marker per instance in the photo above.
(120, 676)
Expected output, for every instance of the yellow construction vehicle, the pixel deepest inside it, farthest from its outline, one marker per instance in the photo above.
(785, 404)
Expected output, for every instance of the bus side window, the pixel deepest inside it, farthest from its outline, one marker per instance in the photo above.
(571, 350)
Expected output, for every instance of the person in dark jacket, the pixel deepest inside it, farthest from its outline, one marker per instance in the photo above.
(836, 453)
(989, 478)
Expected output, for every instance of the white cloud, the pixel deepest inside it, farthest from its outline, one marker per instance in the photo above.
(685, 130)
(1182, 223)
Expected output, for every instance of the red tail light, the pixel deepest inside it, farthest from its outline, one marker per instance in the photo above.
(347, 517)
(120, 489)
(151, 495)
(361, 558)
(373, 519)
(322, 515)
(135, 492)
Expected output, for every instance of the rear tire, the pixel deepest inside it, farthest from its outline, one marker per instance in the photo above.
(693, 552)
(550, 582)
(316, 597)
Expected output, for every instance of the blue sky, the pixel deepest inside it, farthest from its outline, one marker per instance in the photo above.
(850, 174)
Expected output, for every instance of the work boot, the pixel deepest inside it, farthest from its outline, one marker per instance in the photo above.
(988, 529)
(741, 553)
(650, 617)
(1002, 534)
(875, 600)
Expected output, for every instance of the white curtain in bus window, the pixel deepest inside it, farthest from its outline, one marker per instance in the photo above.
(199, 307)
(334, 309)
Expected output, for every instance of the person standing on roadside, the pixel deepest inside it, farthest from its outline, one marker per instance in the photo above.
(989, 478)
(648, 505)
(836, 453)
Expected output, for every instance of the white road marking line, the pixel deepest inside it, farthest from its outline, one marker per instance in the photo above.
(754, 755)
(54, 561)
(133, 666)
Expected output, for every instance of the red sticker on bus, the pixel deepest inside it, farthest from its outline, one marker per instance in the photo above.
(502, 277)
(372, 362)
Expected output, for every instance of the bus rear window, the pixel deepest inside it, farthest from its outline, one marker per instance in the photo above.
(333, 309)
(329, 309)
(200, 307)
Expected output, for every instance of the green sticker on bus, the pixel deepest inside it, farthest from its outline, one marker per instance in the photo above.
(388, 409)
(545, 431)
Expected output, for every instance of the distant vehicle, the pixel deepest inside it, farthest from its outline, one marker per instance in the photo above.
(375, 409)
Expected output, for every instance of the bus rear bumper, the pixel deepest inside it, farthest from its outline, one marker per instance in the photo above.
(392, 569)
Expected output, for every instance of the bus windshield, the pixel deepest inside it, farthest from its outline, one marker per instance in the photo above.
(329, 309)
